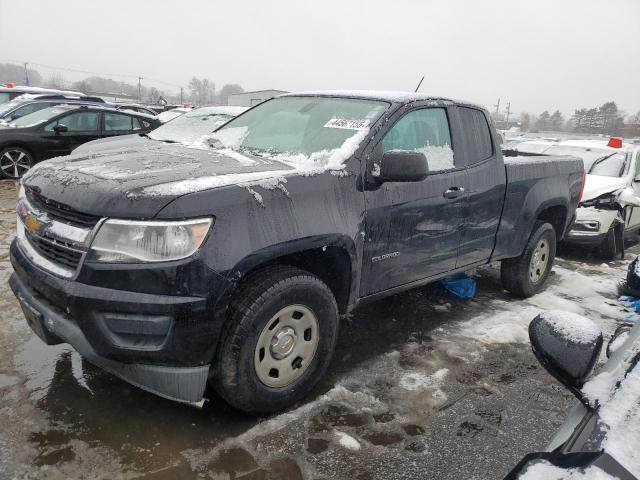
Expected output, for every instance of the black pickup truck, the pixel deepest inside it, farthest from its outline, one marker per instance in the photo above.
(230, 261)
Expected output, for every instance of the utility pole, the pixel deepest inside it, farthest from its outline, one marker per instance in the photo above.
(139, 90)
(508, 111)
(181, 96)
(26, 74)
(497, 105)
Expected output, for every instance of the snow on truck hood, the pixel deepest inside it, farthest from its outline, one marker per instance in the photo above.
(596, 185)
(154, 169)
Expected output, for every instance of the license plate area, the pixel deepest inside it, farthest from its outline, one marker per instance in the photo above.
(35, 320)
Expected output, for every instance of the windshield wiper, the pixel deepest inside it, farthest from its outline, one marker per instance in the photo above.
(599, 161)
(146, 135)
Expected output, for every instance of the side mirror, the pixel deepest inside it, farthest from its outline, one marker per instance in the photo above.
(403, 166)
(60, 129)
(567, 345)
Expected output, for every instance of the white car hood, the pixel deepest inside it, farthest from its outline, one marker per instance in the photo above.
(596, 185)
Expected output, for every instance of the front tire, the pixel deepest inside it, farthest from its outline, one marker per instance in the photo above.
(14, 162)
(278, 340)
(526, 275)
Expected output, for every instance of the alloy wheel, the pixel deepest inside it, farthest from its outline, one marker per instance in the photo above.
(14, 163)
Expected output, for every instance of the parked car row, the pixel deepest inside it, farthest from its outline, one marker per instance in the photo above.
(37, 127)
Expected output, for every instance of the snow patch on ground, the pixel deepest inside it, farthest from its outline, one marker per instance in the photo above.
(546, 471)
(420, 381)
(347, 441)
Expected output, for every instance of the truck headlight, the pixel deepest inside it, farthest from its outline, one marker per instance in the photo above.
(124, 241)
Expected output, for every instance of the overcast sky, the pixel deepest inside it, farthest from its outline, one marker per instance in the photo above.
(537, 54)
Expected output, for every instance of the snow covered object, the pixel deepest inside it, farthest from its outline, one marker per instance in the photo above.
(600, 438)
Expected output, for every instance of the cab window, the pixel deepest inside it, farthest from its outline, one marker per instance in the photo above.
(425, 131)
(76, 122)
(117, 122)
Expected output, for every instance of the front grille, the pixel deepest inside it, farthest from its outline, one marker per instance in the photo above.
(56, 251)
(60, 212)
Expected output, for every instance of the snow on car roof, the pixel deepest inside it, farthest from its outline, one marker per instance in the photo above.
(388, 95)
(106, 108)
(595, 144)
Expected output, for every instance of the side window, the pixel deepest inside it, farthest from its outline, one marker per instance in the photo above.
(477, 134)
(637, 174)
(77, 122)
(135, 124)
(426, 131)
(114, 122)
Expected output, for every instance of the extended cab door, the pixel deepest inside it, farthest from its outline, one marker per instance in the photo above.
(412, 228)
(82, 126)
(485, 185)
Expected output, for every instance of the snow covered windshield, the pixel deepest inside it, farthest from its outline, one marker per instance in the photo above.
(596, 161)
(191, 126)
(39, 116)
(304, 129)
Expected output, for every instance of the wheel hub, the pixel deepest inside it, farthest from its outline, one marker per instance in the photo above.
(283, 343)
(539, 261)
(286, 346)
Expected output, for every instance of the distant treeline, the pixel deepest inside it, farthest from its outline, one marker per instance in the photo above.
(606, 119)
(199, 91)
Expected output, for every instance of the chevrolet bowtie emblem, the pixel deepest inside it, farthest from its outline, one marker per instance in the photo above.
(32, 223)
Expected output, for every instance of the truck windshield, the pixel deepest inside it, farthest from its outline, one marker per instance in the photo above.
(597, 161)
(302, 128)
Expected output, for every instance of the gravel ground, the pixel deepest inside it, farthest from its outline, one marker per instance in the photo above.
(422, 386)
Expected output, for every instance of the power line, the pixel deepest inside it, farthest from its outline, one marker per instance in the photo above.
(89, 72)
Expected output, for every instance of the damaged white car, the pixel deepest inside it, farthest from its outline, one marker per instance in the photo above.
(610, 206)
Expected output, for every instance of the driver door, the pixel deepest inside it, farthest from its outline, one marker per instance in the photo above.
(412, 229)
(82, 126)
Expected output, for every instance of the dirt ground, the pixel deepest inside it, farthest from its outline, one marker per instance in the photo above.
(422, 386)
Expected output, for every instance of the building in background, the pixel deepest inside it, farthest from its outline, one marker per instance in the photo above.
(249, 99)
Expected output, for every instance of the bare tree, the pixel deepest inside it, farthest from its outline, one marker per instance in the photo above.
(227, 90)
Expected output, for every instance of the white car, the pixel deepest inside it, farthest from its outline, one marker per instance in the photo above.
(610, 205)
(168, 115)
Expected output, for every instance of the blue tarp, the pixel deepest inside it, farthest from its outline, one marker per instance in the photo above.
(460, 285)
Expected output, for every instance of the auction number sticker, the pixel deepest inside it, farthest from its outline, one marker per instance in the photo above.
(347, 124)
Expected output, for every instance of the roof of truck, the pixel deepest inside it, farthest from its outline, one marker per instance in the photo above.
(390, 96)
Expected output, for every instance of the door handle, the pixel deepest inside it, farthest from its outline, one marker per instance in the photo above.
(453, 192)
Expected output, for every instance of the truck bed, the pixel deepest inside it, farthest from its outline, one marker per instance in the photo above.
(533, 182)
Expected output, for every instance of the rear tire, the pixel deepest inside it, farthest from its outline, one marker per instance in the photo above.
(14, 162)
(278, 340)
(526, 275)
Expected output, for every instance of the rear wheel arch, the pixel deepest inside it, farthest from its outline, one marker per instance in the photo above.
(556, 215)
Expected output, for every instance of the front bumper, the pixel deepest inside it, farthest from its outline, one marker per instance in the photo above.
(591, 226)
(161, 343)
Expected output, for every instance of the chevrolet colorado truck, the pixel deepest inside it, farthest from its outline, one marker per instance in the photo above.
(229, 262)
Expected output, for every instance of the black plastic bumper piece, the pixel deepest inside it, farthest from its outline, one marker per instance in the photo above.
(183, 384)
